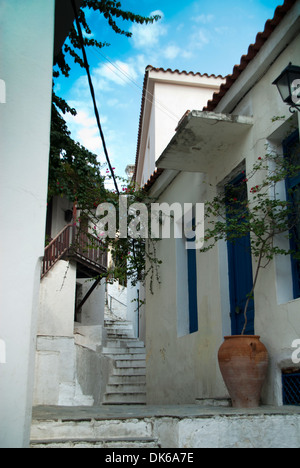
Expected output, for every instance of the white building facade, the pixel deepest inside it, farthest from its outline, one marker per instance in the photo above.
(26, 67)
(26, 71)
(210, 149)
(167, 95)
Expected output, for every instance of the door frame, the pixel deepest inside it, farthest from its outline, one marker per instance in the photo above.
(236, 328)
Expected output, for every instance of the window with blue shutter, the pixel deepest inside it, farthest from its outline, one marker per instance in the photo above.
(291, 148)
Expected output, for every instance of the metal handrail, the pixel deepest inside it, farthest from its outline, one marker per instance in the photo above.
(113, 298)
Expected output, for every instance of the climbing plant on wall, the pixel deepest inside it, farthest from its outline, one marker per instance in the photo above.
(268, 214)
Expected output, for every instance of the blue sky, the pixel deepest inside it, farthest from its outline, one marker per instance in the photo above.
(207, 36)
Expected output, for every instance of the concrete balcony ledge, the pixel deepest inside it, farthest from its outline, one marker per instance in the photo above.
(202, 140)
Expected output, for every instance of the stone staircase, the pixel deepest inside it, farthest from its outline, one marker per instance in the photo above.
(127, 383)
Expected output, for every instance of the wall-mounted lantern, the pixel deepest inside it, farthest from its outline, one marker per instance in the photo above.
(288, 84)
(68, 216)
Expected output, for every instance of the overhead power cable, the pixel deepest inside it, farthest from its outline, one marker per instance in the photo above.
(127, 78)
(87, 67)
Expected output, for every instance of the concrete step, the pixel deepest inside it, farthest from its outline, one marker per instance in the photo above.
(129, 357)
(119, 330)
(120, 350)
(130, 364)
(129, 342)
(125, 443)
(136, 350)
(118, 336)
(125, 398)
(214, 402)
(129, 371)
(109, 322)
(89, 429)
(126, 388)
(117, 323)
(92, 433)
(114, 329)
(127, 379)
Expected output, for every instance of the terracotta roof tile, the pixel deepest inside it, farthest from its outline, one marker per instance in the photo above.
(184, 72)
(141, 121)
(253, 50)
(152, 179)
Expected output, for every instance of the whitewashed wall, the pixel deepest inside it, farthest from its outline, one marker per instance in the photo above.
(180, 369)
(26, 57)
(169, 96)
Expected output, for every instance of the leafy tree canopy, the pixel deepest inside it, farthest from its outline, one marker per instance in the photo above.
(112, 11)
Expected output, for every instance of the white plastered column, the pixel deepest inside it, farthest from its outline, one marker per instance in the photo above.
(26, 58)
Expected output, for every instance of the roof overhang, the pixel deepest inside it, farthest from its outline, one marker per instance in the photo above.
(260, 57)
(202, 138)
(64, 17)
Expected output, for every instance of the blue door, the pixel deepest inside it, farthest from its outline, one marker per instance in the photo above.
(291, 148)
(240, 265)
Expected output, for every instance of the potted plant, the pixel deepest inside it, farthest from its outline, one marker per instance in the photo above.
(262, 215)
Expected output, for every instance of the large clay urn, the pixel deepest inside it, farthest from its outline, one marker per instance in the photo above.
(243, 362)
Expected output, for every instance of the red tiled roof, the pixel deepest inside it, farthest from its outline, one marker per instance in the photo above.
(141, 120)
(253, 50)
(152, 179)
(184, 72)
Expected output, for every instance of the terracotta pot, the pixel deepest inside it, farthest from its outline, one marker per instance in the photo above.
(243, 362)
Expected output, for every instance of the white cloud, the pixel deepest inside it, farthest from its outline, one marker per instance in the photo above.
(222, 30)
(200, 38)
(80, 89)
(118, 72)
(84, 128)
(187, 54)
(158, 13)
(83, 118)
(141, 62)
(172, 51)
(89, 138)
(113, 102)
(146, 36)
(204, 19)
